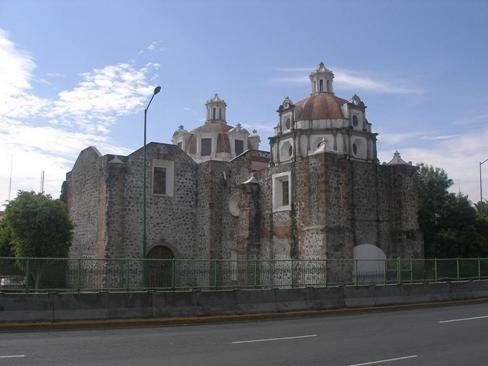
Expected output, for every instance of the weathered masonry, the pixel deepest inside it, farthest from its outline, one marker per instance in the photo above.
(319, 193)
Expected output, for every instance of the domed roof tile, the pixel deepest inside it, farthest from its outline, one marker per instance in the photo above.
(319, 106)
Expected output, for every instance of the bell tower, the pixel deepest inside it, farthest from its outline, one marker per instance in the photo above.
(216, 110)
(321, 80)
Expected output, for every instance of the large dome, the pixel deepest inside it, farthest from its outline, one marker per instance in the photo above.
(319, 106)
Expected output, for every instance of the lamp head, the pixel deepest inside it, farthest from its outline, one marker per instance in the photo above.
(157, 90)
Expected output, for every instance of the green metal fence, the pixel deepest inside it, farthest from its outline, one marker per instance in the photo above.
(130, 274)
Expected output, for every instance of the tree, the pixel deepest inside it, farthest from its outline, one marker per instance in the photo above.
(452, 227)
(40, 227)
(6, 240)
(432, 187)
(481, 208)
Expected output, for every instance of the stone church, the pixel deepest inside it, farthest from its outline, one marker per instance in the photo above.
(319, 193)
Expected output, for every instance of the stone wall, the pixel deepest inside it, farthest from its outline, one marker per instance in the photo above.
(86, 207)
(340, 203)
(224, 210)
(171, 220)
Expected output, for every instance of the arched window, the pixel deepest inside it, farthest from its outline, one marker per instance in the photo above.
(355, 120)
(213, 113)
(328, 86)
(321, 85)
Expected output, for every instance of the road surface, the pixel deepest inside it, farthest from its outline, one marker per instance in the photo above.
(450, 335)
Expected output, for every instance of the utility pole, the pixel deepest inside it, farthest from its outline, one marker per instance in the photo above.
(144, 238)
(42, 182)
(481, 180)
(10, 180)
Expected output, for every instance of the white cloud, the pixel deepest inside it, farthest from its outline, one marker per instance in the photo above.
(102, 96)
(439, 137)
(153, 46)
(347, 80)
(259, 126)
(477, 119)
(389, 138)
(34, 149)
(459, 156)
(16, 99)
(351, 80)
(77, 118)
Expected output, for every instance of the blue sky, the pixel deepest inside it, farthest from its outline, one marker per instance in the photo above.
(78, 73)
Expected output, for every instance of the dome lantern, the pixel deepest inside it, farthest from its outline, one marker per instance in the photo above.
(216, 110)
(321, 80)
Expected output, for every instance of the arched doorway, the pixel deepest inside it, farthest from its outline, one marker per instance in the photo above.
(160, 267)
(369, 266)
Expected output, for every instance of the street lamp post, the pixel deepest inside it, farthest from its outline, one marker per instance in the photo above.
(156, 91)
(481, 181)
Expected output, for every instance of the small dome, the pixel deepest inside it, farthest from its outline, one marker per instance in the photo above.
(319, 106)
(397, 160)
(215, 99)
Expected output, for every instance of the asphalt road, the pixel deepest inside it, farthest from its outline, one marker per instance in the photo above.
(430, 336)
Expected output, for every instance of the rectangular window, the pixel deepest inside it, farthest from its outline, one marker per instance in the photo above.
(159, 180)
(282, 191)
(206, 147)
(239, 146)
(285, 193)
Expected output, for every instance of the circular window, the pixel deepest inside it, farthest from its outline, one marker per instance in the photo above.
(355, 121)
(290, 151)
(354, 149)
(288, 123)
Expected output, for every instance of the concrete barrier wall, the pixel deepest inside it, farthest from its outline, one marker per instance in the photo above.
(54, 307)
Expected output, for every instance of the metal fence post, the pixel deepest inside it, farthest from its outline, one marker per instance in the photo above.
(479, 268)
(399, 270)
(27, 274)
(355, 272)
(127, 273)
(79, 275)
(435, 269)
(173, 273)
(215, 273)
(325, 272)
(255, 273)
(411, 270)
(457, 269)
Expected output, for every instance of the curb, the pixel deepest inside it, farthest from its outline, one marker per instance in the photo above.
(195, 320)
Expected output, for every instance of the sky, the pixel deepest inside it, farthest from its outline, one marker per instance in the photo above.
(78, 73)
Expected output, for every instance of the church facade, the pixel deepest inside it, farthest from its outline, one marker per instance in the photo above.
(319, 193)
